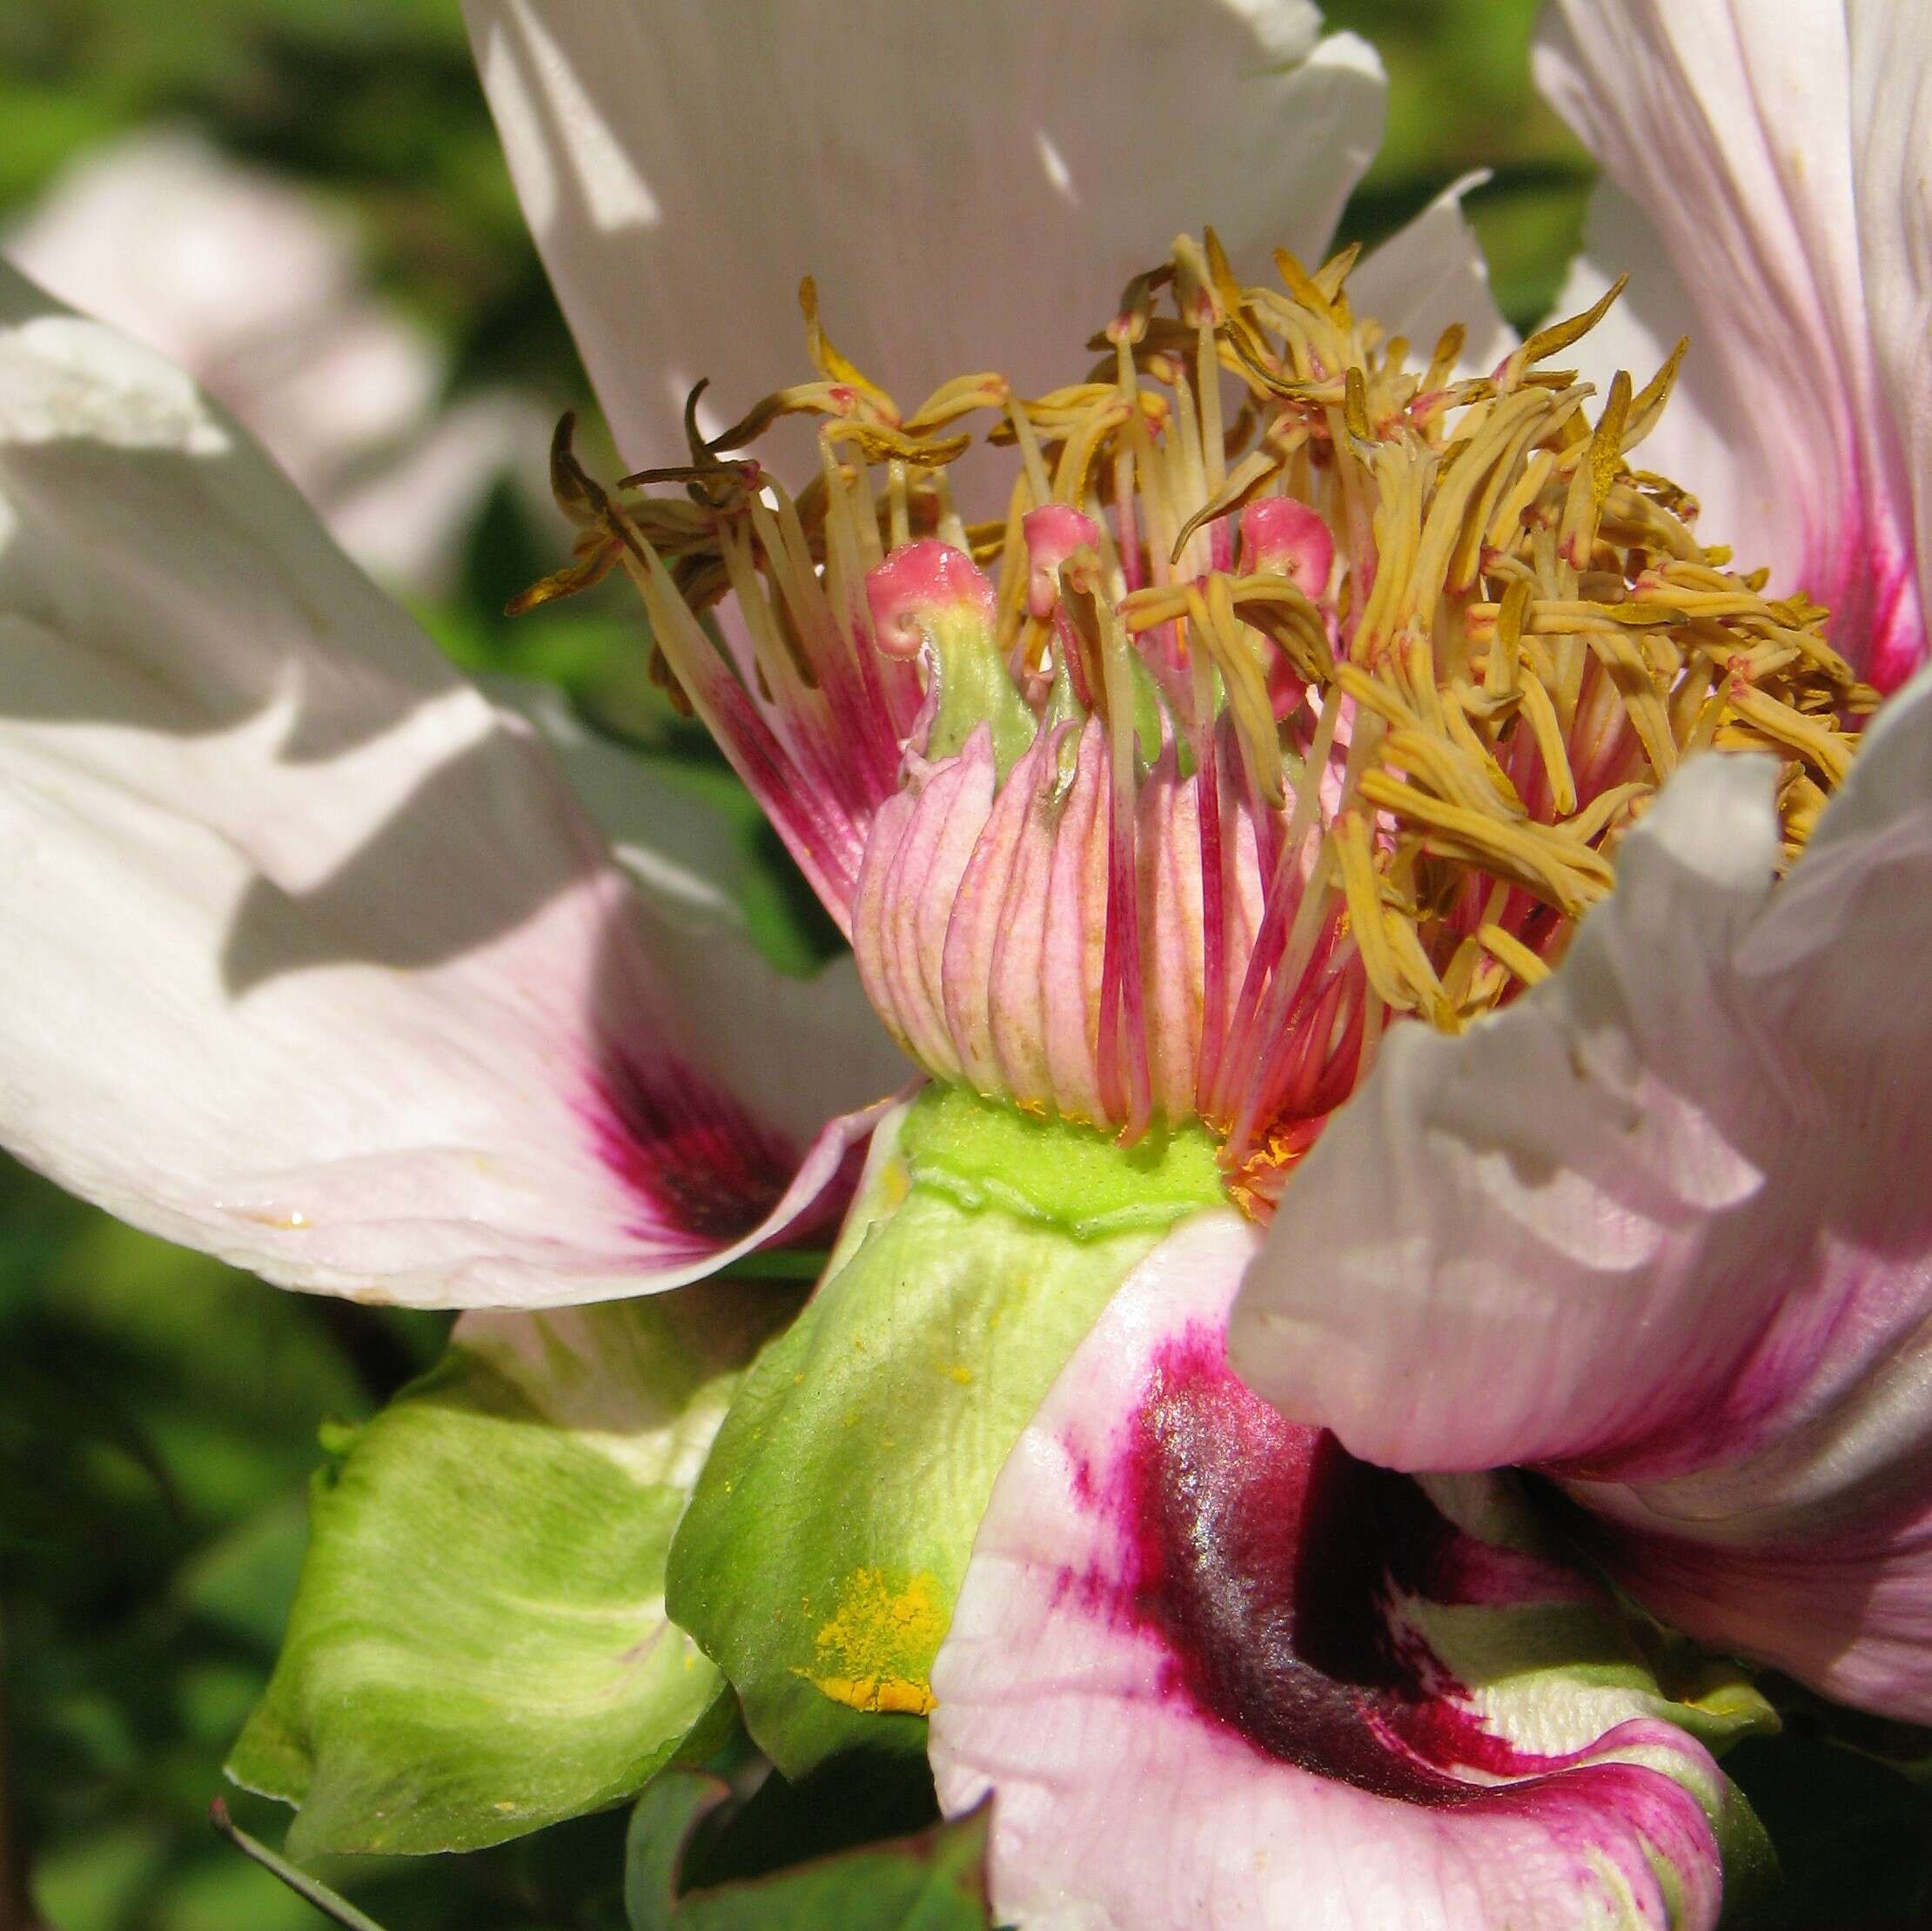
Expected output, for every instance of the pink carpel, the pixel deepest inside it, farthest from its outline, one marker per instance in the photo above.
(1281, 535)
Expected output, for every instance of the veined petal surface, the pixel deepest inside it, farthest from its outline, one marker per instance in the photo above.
(1739, 204)
(1661, 1229)
(1215, 1671)
(312, 959)
(970, 186)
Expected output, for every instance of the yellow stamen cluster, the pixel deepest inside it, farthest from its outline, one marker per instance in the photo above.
(1521, 639)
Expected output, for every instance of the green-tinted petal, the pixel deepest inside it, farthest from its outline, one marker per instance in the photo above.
(480, 1645)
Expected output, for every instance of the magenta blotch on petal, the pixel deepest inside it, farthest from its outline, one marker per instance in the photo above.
(1186, 1612)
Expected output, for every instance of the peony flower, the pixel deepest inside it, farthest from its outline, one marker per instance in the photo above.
(241, 280)
(1283, 686)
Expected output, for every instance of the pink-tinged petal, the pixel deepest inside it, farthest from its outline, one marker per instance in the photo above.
(241, 278)
(311, 958)
(1072, 957)
(688, 866)
(1431, 276)
(1891, 54)
(1659, 1228)
(970, 187)
(1727, 130)
(1214, 1672)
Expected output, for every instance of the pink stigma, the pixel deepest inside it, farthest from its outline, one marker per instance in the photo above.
(917, 582)
(1281, 535)
(1053, 532)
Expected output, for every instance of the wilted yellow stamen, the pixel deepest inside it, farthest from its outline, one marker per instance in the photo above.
(1513, 953)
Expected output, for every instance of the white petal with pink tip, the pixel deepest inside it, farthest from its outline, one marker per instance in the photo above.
(1756, 210)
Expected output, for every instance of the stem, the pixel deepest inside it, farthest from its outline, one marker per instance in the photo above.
(336, 1909)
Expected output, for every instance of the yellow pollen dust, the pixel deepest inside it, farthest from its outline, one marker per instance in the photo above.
(874, 1653)
(1520, 637)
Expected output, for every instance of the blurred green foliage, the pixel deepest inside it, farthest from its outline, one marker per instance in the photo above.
(159, 1412)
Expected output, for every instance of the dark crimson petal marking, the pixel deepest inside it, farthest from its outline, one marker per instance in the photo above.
(705, 1172)
(1267, 1559)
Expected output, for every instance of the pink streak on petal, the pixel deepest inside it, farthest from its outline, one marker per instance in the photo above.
(1860, 566)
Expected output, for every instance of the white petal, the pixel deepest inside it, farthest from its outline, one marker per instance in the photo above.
(1214, 1674)
(1661, 1228)
(312, 960)
(971, 186)
(201, 259)
(1729, 126)
(688, 869)
(242, 279)
(1432, 274)
(403, 518)
(359, 380)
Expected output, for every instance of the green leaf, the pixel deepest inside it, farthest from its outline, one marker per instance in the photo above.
(1854, 1840)
(479, 1647)
(931, 1882)
(824, 1546)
